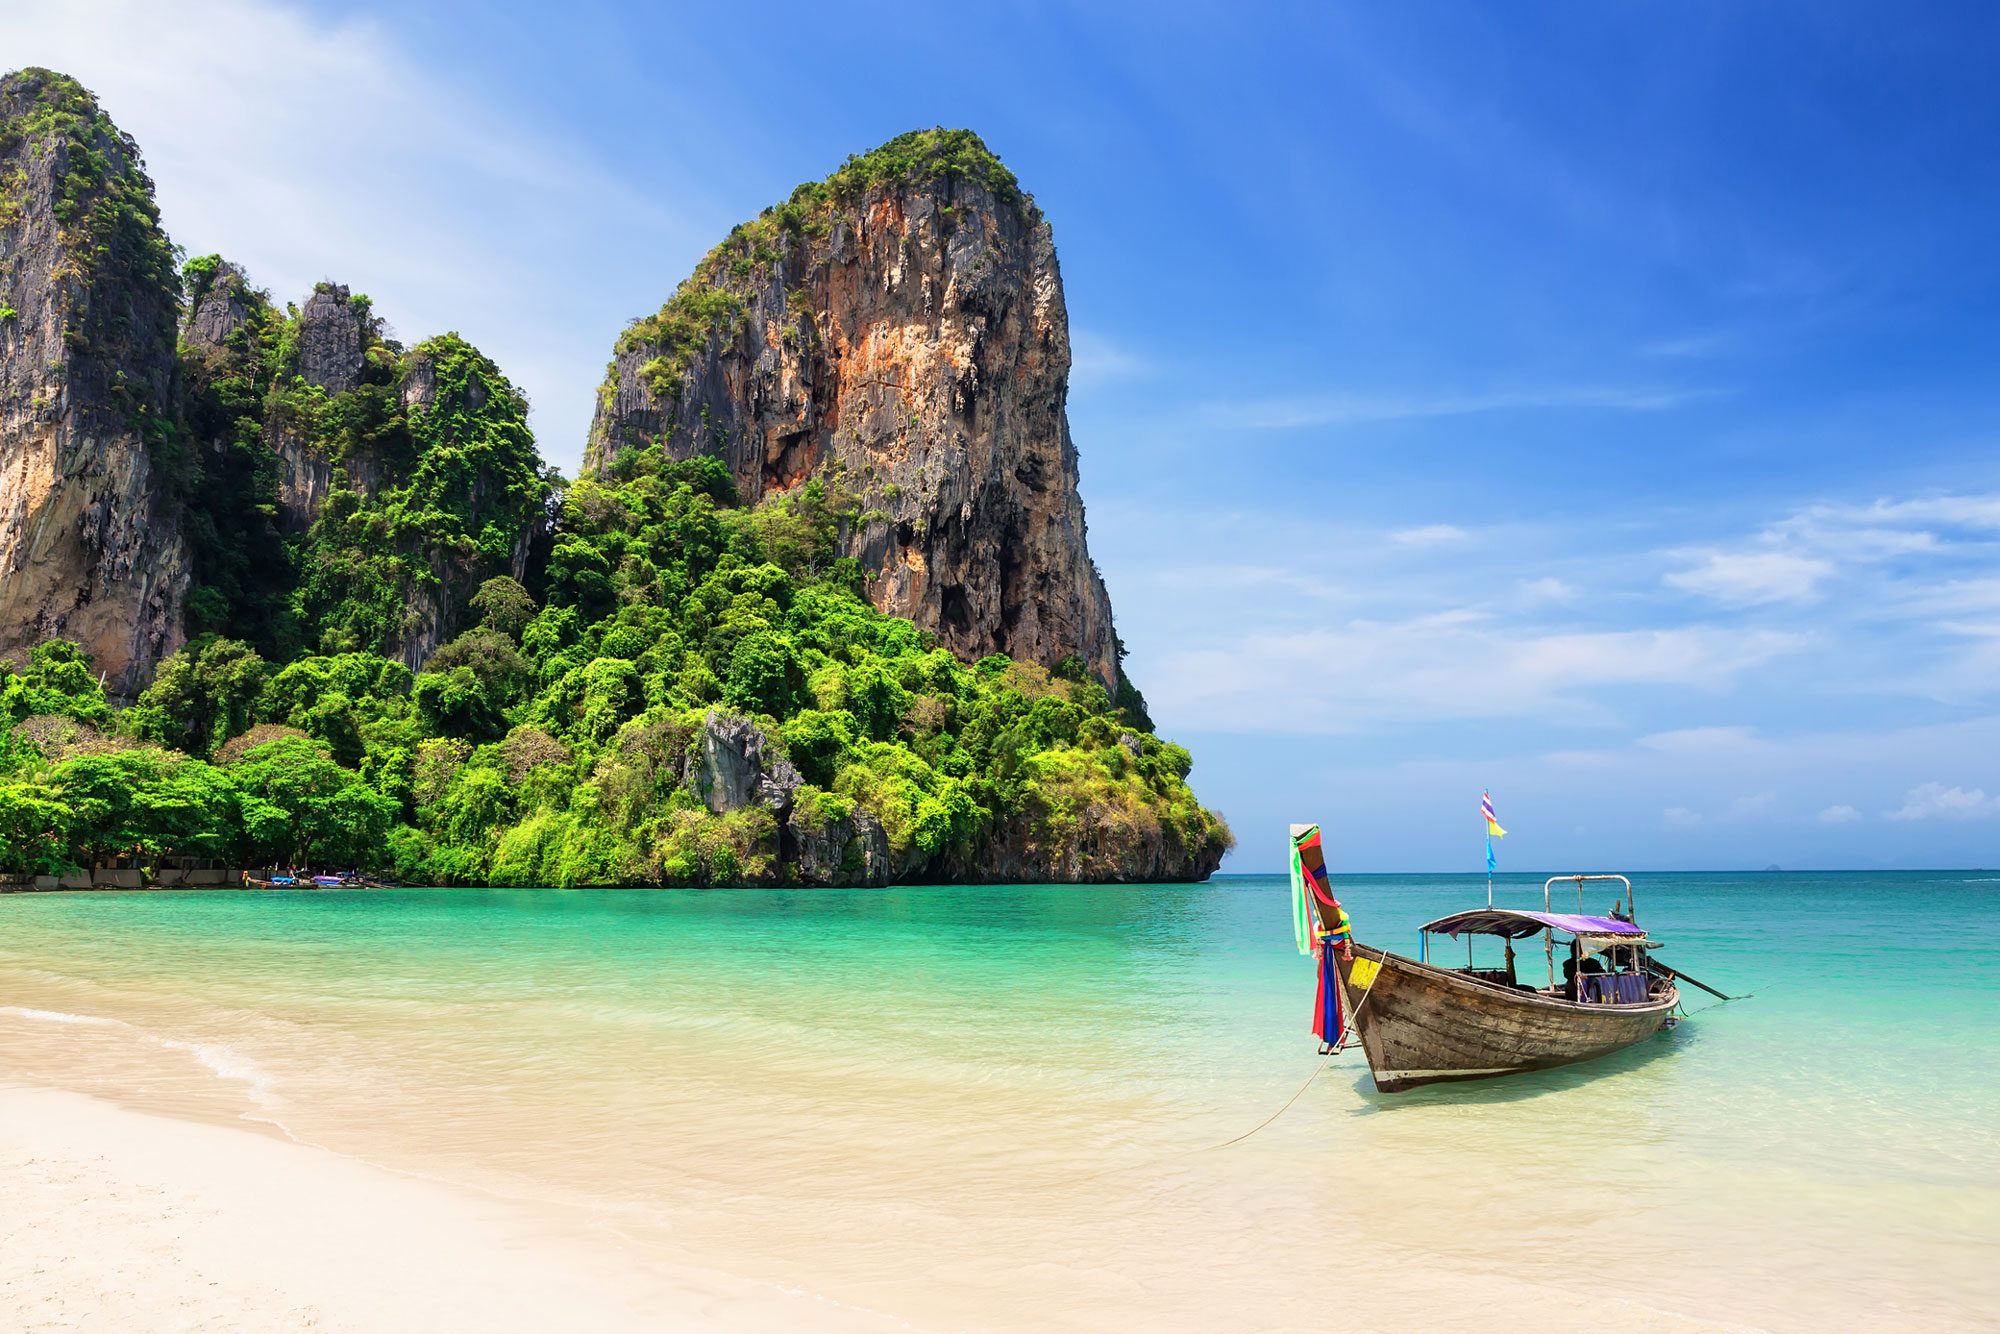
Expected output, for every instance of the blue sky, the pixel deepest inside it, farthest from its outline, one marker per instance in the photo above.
(1593, 402)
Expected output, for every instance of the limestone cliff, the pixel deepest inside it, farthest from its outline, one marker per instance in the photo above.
(90, 541)
(474, 466)
(733, 766)
(378, 486)
(900, 329)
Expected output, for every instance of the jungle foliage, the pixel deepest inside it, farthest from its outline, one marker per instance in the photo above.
(456, 668)
(558, 740)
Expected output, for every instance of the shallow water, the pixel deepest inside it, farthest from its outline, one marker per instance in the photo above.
(1000, 1106)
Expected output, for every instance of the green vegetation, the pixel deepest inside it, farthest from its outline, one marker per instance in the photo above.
(428, 494)
(244, 569)
(458, 486)
(104, 206)
(626, 648)
(105, 201)
(560, 740)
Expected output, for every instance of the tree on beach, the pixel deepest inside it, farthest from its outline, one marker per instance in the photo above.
(300, 808)
(34, 829)
(144, 803)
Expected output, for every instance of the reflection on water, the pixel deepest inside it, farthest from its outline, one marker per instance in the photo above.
(994, 1104)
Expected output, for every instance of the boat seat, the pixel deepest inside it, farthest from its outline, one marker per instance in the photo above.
(1615, 988)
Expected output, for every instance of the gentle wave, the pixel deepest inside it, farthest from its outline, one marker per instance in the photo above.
(223, 1062)
(60, 1017)
(229, 1063)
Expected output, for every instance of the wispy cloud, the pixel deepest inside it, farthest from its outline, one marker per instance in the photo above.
(1935, 801)
(1430, 535)
(1752, 578)
(1840, 814)
(1700, 740)
(1357, 408)
(1460, 664)
(308, 146)
(1095, 359)
(1548, 589)
(1692, 347)
(1367, 630)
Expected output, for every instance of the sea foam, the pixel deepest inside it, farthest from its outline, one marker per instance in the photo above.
(223, 1062)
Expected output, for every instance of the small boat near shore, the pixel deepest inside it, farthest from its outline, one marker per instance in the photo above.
(295, 880)
(1420, 1021)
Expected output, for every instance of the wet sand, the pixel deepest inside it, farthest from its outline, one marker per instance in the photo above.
(113, 1218)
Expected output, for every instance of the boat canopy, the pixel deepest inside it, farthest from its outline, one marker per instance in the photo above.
(1514, 924)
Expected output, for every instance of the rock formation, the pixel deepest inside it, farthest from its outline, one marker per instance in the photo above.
(423, 456)
(900, 330)
(733, 766)
(222, 307)
(90, 541)
(472, 459)
(333, 333)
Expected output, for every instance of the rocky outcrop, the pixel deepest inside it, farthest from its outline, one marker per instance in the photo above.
(824, 840)
(219, 308)
(732, 765)
(90, 541)
(830, 851)
(457, 404)
(1024, 850)
(333, 334)
(899, 330)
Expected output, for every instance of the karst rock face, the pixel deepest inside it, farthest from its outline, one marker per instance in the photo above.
(899, 331)
(333, 334)
(90, 540)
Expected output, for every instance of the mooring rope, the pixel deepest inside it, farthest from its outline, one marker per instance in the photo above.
(1333, 1050)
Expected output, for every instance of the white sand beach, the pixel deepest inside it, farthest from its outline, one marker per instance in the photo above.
(112, 1218)
(119, 1219)
(446, 1111)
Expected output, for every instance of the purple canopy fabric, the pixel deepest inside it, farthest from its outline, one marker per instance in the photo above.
(1514, 924)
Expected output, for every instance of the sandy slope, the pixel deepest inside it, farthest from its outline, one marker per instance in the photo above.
(116, 1219)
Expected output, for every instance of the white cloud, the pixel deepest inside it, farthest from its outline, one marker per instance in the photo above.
(1547, 589)
(308, 147)
(1458, 664)
(1095, 359)
(1842, 814)
(1753, 578)
(1744, 808)
(1976, 511)
(1700, 740)
(1936, 801)
(1430, 535)
(1355, 408)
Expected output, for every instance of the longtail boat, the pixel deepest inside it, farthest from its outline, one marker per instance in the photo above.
(1424, 1022)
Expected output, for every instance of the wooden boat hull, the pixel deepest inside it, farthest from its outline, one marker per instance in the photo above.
(1424, 1025)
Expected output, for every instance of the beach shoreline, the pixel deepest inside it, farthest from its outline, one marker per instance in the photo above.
(116, 1218)
(1025, 1110)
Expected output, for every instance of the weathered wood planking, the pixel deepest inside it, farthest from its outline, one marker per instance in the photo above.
(1425, 1025)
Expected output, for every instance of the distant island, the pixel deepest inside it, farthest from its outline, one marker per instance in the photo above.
(277, 590)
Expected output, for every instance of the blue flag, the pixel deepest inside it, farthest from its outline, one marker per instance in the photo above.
(1491, 862)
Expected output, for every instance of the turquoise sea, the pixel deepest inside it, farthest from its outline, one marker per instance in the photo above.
(1001, 1106)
